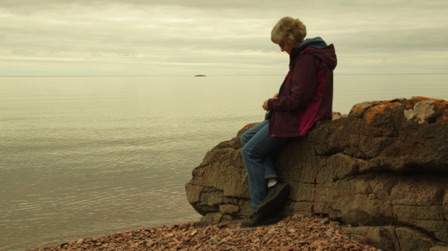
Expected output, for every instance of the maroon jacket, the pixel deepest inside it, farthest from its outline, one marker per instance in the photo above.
(306, 95)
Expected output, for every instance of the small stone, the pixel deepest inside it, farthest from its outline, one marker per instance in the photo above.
(439, 248)
(324, 221)
(149, 243)
(349, 245)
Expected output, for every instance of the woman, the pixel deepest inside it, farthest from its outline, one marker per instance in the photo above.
(305, 97)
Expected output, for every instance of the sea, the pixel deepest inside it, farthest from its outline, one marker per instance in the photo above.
(88, 156)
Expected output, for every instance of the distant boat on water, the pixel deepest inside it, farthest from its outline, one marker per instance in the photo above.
(199, 75)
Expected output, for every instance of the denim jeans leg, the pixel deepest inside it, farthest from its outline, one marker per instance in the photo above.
(247, 135)
(270, 171)
(257, 147)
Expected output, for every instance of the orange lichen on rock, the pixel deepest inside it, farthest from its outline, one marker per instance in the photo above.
(445, 117)
(378, 109)
(360, 108)
(434, 109)
(414, 100)
(440, 104)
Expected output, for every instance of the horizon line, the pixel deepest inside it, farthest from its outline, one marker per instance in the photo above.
(213, 75)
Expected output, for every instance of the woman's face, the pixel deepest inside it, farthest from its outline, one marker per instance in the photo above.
(284, 47)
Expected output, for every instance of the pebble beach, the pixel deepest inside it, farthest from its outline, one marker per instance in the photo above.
(297, 232)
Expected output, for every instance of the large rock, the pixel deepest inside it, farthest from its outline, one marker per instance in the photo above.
(382, 171)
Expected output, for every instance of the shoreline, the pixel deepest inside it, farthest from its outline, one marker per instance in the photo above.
(296, 232)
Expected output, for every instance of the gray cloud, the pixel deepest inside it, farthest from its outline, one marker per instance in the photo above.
(214, 37)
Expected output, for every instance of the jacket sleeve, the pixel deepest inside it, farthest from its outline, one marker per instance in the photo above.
(300, 91)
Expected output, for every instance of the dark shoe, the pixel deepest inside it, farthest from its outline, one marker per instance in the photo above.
(274, 199)
(257, 220)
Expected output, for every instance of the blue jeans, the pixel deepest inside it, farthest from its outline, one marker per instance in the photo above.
(256, 153)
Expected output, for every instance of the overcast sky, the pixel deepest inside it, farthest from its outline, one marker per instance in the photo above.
(187, 37)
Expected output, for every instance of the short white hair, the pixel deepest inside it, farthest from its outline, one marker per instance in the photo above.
(288, 30)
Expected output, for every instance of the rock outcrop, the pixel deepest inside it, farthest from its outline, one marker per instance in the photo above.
(382, 171)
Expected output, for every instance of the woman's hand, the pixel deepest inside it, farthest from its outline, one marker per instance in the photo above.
(265, 103)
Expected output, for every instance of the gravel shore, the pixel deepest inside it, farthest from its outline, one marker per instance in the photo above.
(296, 232)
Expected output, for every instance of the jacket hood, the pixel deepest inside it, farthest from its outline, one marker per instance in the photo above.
(316, 42)
(319, 48)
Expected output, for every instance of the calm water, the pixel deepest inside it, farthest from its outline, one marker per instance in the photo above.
(96, 155)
